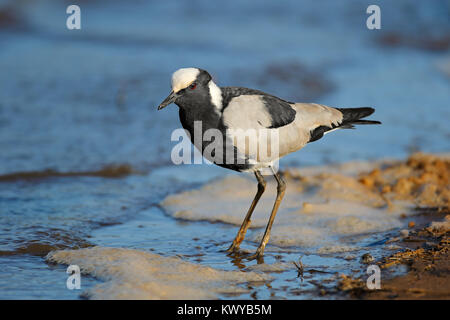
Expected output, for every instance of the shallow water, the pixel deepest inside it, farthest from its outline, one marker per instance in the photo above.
(77, 102)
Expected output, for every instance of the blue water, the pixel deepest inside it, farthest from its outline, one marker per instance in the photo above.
(81, 100)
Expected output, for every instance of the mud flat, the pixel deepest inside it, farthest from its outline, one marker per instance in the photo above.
(424, 244)
(324, 205)
(337, 218)
(335, 209)
(426, 255)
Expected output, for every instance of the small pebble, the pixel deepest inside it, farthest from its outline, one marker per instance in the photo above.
(404, 233)
(411, 224)
(393, 247)
(367, 258)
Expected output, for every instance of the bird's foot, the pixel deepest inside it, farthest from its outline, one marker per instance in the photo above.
(234, 248)
(258, 256)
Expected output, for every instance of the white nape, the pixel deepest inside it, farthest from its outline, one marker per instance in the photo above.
(216, 96)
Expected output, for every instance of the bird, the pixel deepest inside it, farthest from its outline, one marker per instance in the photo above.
(227, 109)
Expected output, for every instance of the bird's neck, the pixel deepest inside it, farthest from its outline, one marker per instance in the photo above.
(205, 109)
(203, 113)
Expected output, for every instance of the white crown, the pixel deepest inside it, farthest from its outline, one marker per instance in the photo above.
(183, 78)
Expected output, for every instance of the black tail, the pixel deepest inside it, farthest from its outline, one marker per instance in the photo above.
(351, 116)
(354, 116)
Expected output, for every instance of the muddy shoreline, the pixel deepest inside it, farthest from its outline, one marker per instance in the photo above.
(423, 247)
(366, 223)
(425, 253)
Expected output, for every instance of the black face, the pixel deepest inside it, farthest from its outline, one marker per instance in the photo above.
(197, 92)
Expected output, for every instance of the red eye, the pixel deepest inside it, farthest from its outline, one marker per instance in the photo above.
(193, 86)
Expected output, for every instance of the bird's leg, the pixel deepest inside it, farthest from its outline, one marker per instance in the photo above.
(280, 194)
(246, 223)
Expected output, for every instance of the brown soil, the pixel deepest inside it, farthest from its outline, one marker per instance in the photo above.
(423, 179)
(429, 270)
(110, 171)
(428, 275)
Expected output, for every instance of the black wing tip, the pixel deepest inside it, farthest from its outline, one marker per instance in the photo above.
(365, 110)
(369, 111)
(366, 122)
(351, 115)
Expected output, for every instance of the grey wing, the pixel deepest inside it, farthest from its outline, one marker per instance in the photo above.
(320, 119)
(247, 120)
(254, 111)
(313, 115)
(310, 117)
(294, 128)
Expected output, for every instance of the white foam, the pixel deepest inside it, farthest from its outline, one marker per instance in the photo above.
(134, 274)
